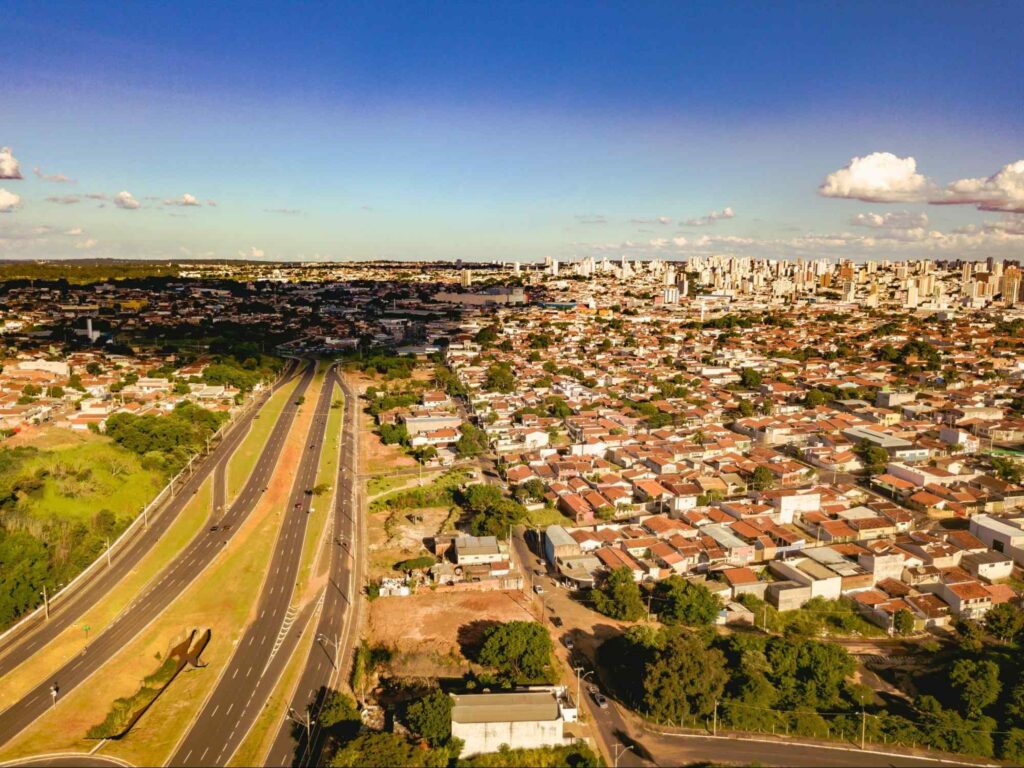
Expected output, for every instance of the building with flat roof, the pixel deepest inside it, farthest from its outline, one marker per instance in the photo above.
(521, 720)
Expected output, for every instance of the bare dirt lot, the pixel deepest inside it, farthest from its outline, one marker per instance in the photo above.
(411, 529)
(427, 632)
(375, 457)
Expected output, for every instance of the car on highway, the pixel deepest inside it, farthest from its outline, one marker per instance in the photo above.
(600, 699)
(298, 505)
(214, 528)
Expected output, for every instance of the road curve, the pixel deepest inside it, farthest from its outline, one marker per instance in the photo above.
(174, 579)
(264, 648)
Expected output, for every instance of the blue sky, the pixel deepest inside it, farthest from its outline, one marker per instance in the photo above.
(521, 130)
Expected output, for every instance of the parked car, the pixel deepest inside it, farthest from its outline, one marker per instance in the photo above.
(600, 700)
(538, 588)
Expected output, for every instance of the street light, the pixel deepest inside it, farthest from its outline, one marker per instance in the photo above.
(307, 723)
(334, 644)
(579, 681)
(620, 750)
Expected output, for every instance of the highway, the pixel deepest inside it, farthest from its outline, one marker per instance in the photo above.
(19, 646)
(263, 651)
(174, 579)
(336, 628)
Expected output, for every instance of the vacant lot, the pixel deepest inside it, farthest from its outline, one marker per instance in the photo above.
(427, 631)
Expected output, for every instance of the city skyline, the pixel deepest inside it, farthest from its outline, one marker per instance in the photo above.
(499, 133)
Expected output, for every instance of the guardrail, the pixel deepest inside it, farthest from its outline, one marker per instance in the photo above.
(140, 522)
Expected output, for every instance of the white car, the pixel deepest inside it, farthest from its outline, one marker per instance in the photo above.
(538, 588)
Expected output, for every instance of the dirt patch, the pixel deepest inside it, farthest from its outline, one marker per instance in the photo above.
(402, 538)
(374, 455)
(430, 627)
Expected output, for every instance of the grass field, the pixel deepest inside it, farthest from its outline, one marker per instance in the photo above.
(80, 480)
(206, 603)
(547, 516)
(70, 642)
(242, 461)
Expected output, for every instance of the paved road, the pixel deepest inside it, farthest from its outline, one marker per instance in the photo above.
(175, 578)
(335, 630)
(267, 643)
(20, 645)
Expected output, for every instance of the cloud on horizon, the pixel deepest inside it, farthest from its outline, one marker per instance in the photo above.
(8, 201)
(711, 218)
(125, 200)
(9, 167)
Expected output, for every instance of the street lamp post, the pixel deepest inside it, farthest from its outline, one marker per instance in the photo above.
(579, 681)
(306, 723)
(620, 750)
(334, 644)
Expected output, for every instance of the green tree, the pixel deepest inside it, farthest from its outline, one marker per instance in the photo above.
(379, 749)
(873, 456)
(684, 679)
(683, 602)
(903, 622)
(977, 683)
(500, 378)
(431, 717)
(1004, 621)
(519, 651)
(618, 596)
(763, 479)
(750, 378)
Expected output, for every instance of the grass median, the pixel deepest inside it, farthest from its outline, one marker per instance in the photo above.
(327, 474)
(242, 564)
(72, 640)
(243, 460)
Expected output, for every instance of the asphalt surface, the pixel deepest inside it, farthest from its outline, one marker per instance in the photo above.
(334, 632)
(174, 579)
(20, 645)
(267, 643)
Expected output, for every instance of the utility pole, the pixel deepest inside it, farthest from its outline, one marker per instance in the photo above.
(714, 722)
(579, 687)
(863, 726)
(46, 604)
(108, 551)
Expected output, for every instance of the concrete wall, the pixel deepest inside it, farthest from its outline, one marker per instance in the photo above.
(488, 737)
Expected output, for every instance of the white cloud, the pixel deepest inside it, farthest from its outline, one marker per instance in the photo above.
(183, 201)
(86, 244)
(252, 253)
(663, 220)
(880, 177)
(285, 211)
(74, 232)
(896, 220)
(97, 196)
(58, 178)
(711, 218)
(590, 219)
(9, 168)
(8, 201)
(125, 200)
(64, 199)
(1002, 191)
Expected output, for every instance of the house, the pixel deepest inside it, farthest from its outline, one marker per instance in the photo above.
(1004, 535)
(476, 550)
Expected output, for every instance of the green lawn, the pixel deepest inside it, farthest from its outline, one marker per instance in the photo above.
(83, 479)
(542, 518)
(241, 463)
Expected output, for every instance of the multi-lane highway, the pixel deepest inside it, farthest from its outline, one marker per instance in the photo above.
(263, 650)
(30, 636)
(175, 578)
(335, 630)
